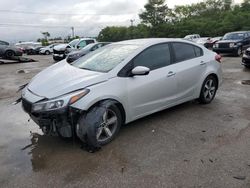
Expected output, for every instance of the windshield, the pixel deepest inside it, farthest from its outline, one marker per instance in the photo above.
(233, 36)
(73, 42)
(88, 47)
(106, 58)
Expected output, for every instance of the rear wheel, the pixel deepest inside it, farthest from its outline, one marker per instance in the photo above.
(47, 52)
(208, 90)
(239, 51)
(9, 54)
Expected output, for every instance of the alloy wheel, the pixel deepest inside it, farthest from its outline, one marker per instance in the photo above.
(209, 89)
(108, 126)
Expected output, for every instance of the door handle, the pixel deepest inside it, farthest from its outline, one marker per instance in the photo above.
(170, 73)
(202, 63)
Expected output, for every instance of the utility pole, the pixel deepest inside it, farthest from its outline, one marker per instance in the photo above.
(131, 28)
(132, 21)
(73, 32)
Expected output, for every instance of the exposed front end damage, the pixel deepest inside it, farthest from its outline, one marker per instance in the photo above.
(61, 122)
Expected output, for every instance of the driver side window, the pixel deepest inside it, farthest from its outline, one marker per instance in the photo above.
(82, 44)
(154, 57)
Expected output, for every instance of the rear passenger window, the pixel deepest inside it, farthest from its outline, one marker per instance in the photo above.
(154, 57)
(89, 41)
(198, 51)
(184, 51)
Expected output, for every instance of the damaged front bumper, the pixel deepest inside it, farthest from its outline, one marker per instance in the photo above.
(61, 121)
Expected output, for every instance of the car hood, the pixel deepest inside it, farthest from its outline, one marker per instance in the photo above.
(63, 78)
(227, 41)
(60, 47)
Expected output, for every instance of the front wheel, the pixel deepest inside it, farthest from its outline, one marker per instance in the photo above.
(47, 52)
(208, 90)
(99, 125)
(247, 66)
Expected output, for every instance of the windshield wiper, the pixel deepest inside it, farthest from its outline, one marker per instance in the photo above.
(86, 69)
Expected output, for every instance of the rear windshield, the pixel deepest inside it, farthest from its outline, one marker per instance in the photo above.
(106, 58)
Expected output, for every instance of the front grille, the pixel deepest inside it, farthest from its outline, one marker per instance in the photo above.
(224, 45)
(58, 52)
(27, 106)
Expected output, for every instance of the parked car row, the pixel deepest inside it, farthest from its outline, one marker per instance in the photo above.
(236, 43)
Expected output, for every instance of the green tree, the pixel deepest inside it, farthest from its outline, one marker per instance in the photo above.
(156, 12)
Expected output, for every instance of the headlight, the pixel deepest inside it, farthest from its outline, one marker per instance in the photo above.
(48, 106)
(231, 45)
(216, 45)
(61, 102)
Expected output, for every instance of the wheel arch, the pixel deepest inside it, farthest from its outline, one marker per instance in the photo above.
(216, 77)
(117, 103)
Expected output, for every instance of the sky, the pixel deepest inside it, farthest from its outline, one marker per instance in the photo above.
(24, 20)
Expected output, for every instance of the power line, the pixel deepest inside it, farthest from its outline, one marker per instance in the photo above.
(64, 14)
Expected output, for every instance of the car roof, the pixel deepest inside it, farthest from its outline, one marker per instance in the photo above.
(86, 39)
(239, 32)
(150, 41)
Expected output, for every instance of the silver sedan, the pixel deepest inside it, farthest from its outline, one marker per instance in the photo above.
(120, 83)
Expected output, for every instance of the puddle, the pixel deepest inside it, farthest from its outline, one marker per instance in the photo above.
(245, 82)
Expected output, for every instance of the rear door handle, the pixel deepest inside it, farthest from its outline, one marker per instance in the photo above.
(202, 63)
(170, 73)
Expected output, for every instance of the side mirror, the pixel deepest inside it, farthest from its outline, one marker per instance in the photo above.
(140, 71)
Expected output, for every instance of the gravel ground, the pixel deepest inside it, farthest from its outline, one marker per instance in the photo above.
(190, 145)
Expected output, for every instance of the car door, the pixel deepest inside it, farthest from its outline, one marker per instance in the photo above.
(152, 92)
(190, 66)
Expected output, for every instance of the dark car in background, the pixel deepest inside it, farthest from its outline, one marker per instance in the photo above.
(72, 56)
(246, 58)
(235, 43)
(8, 51)
(33, 50)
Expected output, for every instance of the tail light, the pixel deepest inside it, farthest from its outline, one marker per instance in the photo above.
(218, 58)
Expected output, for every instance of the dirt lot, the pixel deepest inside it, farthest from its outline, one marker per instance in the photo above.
(190, 145)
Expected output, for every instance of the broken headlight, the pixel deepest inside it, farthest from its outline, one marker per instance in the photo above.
(47, 106)
(60, 102)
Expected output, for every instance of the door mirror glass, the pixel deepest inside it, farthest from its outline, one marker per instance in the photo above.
(140, 70)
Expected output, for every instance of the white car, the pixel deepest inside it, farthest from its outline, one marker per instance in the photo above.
(47, 50)
(193, 37)
(120, 83)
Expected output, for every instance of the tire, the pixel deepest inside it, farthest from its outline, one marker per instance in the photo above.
(208, 90)
(239, 52)
(247, 66)
(93, 127)
(9, 54)
(47, 52)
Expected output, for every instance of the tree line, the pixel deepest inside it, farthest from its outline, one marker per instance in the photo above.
(208, 18)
